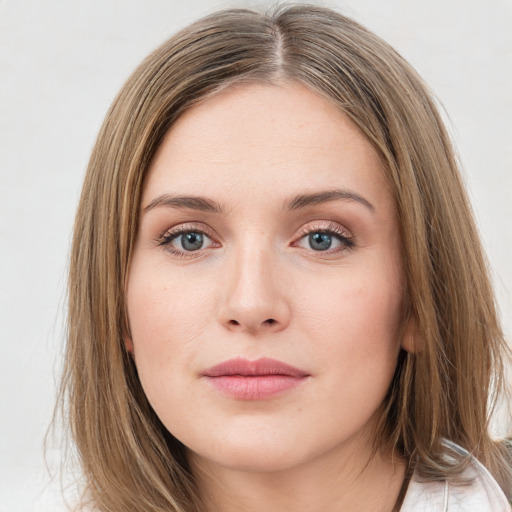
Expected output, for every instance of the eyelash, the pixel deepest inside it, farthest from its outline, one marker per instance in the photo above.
(344, 238)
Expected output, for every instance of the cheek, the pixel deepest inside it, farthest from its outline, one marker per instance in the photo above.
(358, 311)
(354, 326)
(167, 315)
(163, 307)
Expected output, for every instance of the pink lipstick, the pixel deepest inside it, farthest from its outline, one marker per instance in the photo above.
(254, 380)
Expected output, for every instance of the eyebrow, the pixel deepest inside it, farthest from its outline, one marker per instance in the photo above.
(304, 200)
(205, 204)
(191, 202)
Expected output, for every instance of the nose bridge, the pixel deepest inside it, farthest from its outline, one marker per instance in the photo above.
(252, 271)
(254, 295)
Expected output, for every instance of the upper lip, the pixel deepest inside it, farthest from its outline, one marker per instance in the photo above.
(259, 367)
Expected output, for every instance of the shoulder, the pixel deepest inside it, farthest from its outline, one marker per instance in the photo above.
(475, 491)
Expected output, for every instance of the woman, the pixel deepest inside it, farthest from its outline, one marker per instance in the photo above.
(277, 294)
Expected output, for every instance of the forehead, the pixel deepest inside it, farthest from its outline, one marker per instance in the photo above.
(267, 138)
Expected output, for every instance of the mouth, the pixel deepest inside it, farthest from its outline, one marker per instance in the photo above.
(254, 380)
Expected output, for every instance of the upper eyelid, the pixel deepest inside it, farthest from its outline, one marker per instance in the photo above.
(326, 226)
(186, 227)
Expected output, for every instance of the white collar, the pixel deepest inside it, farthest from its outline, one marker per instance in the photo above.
(478, 492)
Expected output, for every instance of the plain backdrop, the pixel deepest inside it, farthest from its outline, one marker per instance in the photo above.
(62, 62)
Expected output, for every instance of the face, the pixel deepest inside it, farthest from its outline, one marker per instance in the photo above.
(266, 286)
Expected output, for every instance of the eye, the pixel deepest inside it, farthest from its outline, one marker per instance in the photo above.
(329, 239)
(183, 241)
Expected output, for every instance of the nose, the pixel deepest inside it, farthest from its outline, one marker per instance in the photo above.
(255, 294)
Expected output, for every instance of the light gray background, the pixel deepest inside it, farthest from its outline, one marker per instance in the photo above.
(62, 62)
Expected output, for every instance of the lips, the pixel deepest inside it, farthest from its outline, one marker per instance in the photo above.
(254, 380)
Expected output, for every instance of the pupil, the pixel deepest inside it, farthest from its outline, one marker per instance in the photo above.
(192, 241)
(320, 241)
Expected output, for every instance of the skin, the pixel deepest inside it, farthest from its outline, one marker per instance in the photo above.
(257, 288)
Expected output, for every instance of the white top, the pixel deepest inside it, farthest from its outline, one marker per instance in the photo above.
(481, 493)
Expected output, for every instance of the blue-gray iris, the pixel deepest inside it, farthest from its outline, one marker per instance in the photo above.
(192, 241)
(320, 241)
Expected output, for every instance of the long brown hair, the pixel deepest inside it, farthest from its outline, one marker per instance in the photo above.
(445, 388)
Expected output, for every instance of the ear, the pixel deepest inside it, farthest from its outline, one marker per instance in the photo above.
(128, 344)
(127, 336)
(411, 339)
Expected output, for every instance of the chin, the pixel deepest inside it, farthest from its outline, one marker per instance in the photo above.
(251, 454)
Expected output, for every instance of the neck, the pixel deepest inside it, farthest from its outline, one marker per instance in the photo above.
(340, 481)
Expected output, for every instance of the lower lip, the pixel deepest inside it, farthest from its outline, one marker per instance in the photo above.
(258, 387)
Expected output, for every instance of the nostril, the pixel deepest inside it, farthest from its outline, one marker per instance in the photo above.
(267, 322)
